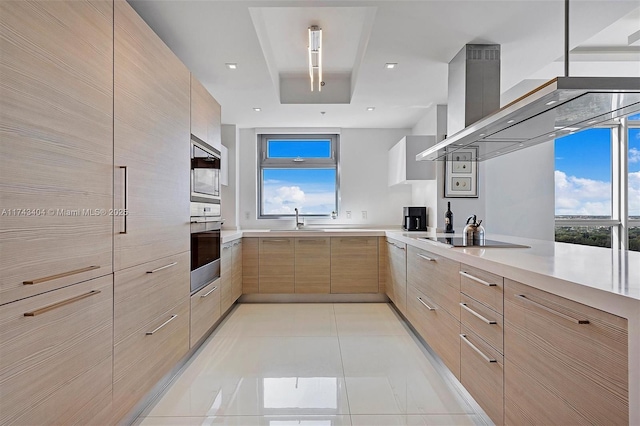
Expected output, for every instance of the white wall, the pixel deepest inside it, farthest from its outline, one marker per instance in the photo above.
(520, 193)
(229, 202)
(363, 180)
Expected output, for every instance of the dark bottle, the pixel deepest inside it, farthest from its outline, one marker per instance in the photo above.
(448, 220)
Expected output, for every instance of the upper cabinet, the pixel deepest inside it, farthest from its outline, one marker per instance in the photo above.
(56, 150)
(205, 115)
(403, 167)
(151, 137)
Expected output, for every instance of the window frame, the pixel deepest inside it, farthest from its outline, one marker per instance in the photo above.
(333, 162)
(620, 221)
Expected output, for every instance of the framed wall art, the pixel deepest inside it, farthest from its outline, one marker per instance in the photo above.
(461, 173)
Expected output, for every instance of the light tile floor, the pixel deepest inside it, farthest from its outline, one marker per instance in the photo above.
(312, 364)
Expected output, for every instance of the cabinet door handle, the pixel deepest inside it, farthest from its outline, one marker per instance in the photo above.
(430, 259)
(486, 358)
(274, 240)
(61, 304)
(150, 333)
(398, 247)
(209, 292)
(162, 267)
(551, 311)
(488, 321)
(126, 196)
(62, 275)
(478, 280)
(426, 306)
(312, 241)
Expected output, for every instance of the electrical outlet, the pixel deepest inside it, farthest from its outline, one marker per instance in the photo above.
(364, 214)
(246, 215)
(348, 214)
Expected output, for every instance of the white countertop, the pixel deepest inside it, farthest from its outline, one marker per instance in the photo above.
(547, 265)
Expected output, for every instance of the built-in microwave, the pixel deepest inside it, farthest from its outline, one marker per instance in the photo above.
(205, 180)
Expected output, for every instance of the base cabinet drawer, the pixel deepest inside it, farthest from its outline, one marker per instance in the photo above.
(143, 358)
(205, 311)
(55, 356)
(566, 363)
(143, 292)
(437, 327)
(483, 321)
(483, 286)
(397, 273)
(481, 373)
(436, 277)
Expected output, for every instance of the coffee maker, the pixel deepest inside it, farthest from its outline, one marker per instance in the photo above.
(415, 219)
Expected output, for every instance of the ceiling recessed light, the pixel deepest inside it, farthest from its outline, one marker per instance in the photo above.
(390, 65)
(231, 65)
(257, 109)
(551, 102)
(510, 121)
(371, 108)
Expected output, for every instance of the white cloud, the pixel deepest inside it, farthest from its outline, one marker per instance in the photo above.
(581, 196)
(634, 154)
(282, 199)
(634, 193)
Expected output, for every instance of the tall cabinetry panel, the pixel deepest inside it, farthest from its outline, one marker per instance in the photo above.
(205, 115)
(56, 151)
(151, 137)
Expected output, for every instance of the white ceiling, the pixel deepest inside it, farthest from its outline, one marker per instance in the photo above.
(268, 39)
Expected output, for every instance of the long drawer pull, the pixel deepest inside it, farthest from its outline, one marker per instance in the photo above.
(426, 306)
(60, 304)
(398, 247)
(150, 333)
(274, 240)
(472, 312)
(62, 275)
(209, 292)
(162, 267)
(430, 259)
(551, 311)
(478, 280)
(486, 358)
(312, 241)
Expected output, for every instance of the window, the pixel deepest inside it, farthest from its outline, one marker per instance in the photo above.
(597, 180)
(297, 171)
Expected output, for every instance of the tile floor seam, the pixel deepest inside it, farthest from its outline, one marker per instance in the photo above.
(344, 377)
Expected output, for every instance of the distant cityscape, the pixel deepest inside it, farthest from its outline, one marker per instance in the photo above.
(599, 236)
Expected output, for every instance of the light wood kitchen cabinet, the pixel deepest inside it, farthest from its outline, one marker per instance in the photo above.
(483, 321)
(437, 327)
(276, 270)
(56, 149)
(226, 276)
(396, 283)
(55, 356)
(236, 270)
(205, 311)
(437, 277)
(565, 363)
(151, 144)
(481, 373)
(483, 286)
(354, 264)
(250, 265)
(313, 265)
(144, 292)
(205, 115)
(147, 355)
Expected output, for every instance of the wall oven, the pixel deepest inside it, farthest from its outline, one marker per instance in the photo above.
(205, 253)
(205, 180)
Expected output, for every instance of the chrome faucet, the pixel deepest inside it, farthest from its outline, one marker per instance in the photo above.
(298, 223)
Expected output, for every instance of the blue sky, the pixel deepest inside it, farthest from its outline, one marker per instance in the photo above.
(583, 173)
(312, 191)
(295, 148)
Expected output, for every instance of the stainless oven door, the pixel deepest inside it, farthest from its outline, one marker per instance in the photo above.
(205, 253)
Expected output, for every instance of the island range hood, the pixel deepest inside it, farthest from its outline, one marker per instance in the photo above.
(560, 107)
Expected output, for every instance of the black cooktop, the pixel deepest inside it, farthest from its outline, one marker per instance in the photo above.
(459, 242)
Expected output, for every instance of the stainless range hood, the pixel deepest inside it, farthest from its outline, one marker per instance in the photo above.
(560, 107)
